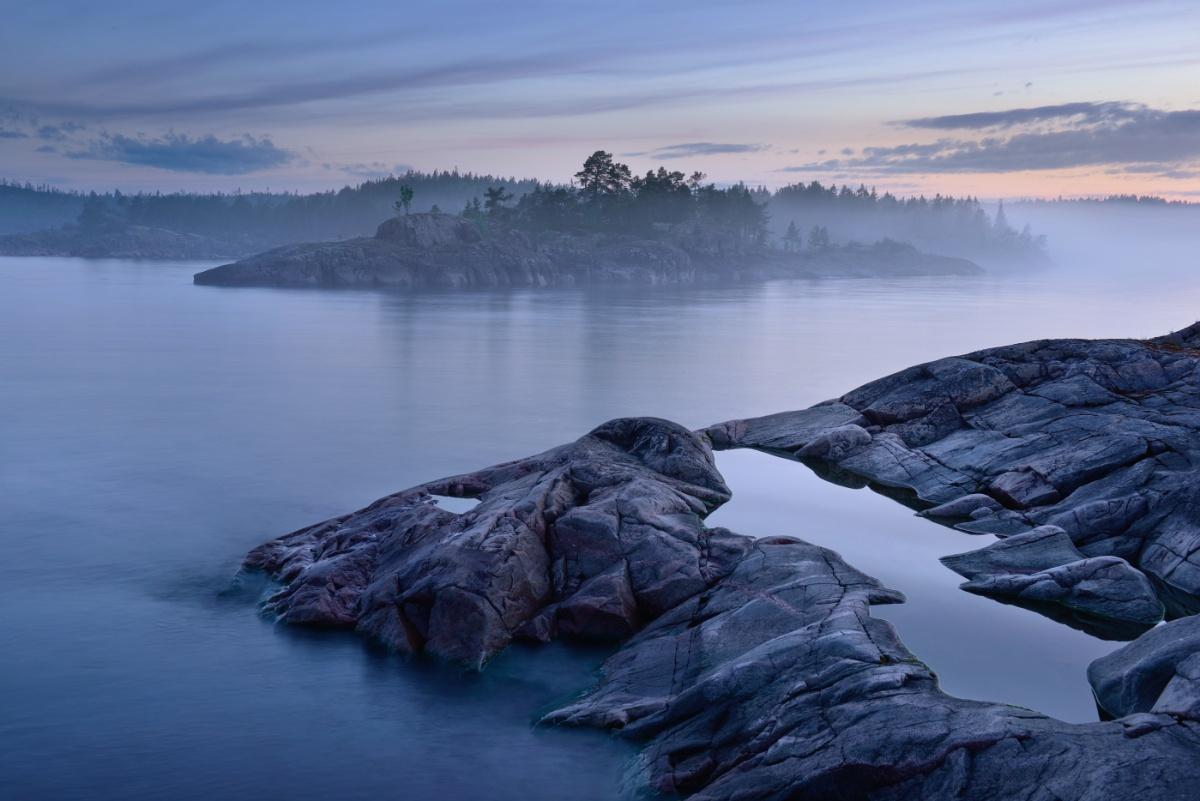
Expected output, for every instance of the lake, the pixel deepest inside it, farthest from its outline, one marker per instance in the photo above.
(152, 432)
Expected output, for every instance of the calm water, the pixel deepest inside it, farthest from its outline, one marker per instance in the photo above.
(151, 432)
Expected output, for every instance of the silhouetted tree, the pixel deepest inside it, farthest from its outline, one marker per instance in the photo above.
(496, 198)
(1000, 224)
(406, 199)
(603, 177)
(94, 212)
(662, 197)
(550, 208)
(792, 238)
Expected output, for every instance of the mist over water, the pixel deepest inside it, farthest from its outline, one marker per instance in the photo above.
(153, 432)
(1114, 240)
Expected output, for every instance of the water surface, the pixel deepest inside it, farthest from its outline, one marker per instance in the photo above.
(151, 432)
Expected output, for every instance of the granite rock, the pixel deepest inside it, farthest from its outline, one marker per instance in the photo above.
(1099, 438)
(777, 683)
(588, 539)
(1157, 673)
(1044, 571)
(748, 669)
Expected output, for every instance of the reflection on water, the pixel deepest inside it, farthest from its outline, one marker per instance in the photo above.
(154, 431)
(457, 505)
(979, 648)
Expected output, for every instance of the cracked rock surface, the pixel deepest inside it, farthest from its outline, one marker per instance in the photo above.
(589, 539)
(777, 683)
(750, 669)
(1100, 438)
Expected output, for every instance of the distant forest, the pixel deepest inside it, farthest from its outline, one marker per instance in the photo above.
(271, 217)
(1118, 200)
(604, 198)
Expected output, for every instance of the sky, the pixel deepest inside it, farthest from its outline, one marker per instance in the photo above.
(996, 100)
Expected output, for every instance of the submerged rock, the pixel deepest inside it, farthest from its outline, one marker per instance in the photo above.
(750, 669)
(1044, 571)
(1099, 438)
(442, 250)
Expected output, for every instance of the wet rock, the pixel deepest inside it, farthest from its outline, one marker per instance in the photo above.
(588, 539)
(1157, 673)
(750, 669)
(1100, 438)
(964, 508)
(1043, 548)
(836, 444)
(1102, 595)
(778, 683)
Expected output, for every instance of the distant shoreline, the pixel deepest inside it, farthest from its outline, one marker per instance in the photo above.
(444, 251)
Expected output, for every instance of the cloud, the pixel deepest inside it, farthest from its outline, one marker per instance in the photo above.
(373, 171)
(1088, 113)
(182, 153)
(690, 149)
(59, 132)
(433, 93)
(287, 92)
(1126, 137)
(7, 134)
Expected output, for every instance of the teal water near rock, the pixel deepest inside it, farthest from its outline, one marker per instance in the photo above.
(155, 431)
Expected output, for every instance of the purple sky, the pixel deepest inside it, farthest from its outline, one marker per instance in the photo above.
(996, 100)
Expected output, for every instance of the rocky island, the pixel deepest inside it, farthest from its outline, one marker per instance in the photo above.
(752, 668)
(445, 251)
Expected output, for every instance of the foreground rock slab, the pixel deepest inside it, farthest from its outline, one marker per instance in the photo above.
(750, 669)
(778, 683)
(1099, 438)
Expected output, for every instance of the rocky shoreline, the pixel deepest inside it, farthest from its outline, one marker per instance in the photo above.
(121, 241)
(752, 668)
(445, 251)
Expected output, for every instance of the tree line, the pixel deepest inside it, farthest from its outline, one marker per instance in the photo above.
(604, 197)
(944, 224)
